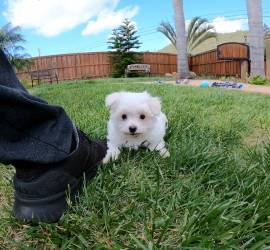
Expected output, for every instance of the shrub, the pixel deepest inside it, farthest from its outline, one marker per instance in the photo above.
(120, 60)
(26, 83)
(258, 80)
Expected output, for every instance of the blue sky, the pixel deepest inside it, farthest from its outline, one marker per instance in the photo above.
(68, 26)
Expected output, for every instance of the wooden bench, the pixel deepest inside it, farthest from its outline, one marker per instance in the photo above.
(43, 74)
(138, 68)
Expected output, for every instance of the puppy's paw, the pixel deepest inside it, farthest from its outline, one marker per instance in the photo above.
(160, 148)
(112, 154)
(164, 153)
(106, 159)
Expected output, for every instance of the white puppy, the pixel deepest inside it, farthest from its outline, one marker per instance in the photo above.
(135, 120)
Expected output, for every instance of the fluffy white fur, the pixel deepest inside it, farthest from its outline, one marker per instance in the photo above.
(135, 111)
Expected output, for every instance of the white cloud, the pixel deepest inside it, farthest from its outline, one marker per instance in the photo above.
(108, 19)
(188, 21)
(53, 17)
(223, 25)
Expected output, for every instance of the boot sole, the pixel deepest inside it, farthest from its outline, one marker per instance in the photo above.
(48, 209)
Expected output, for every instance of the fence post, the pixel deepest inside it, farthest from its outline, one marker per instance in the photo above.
(267, 44)
(244, 70)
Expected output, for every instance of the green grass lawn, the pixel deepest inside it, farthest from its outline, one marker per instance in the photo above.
(212, 193)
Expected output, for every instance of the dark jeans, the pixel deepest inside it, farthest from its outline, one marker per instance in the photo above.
(31, 130)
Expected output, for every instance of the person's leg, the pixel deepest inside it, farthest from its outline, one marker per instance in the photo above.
(30, 129)
(49, 154)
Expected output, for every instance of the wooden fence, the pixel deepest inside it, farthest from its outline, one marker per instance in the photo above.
(226, 60)
(93, 65)
(208, 64)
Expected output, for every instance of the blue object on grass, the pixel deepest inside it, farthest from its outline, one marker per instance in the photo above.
(228, 85)
(204, 84)
(242, 85)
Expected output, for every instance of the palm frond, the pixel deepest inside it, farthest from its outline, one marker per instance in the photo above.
(168, 30)
(199, 30)
(203, 37)
(11, 41)
(191, 27)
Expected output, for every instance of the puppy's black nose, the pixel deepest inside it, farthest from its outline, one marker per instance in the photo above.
(132, 129)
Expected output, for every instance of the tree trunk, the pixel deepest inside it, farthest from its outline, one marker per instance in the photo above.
(268, 57)
(256, 37)
(181, 46)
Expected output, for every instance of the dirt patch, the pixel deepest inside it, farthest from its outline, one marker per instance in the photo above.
(248, 87)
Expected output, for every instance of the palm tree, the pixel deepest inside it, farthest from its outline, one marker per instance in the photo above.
(199, 30)
(181, 41)
(256, 37)
(10, 43)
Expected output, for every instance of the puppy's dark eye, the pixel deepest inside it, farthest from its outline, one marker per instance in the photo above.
(142, 117)
(124, 116)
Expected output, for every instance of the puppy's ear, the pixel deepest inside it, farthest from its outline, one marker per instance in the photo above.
(111, 100)
(154, 105)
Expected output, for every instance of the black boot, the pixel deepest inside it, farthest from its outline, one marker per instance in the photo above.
(41, 191)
